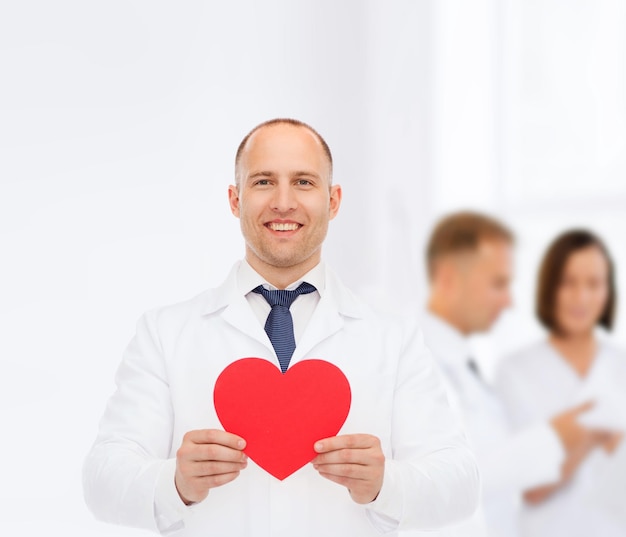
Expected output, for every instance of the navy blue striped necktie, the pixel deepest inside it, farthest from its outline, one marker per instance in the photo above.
(279, 324)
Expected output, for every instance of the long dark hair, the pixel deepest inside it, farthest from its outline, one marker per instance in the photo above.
(551, 273)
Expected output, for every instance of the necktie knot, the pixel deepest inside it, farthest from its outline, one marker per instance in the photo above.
(283, 297)
(473, 366)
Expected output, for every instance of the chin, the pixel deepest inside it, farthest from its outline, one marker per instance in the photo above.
(482, 329)
(577, 329)
(284, 261)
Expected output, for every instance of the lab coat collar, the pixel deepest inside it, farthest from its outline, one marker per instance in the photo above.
(334, 292)
(452, 351)
(447, 343)
(336, 303)
(225, 294)
(248, 278)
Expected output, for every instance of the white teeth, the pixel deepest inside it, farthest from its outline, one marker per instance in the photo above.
(283, 226)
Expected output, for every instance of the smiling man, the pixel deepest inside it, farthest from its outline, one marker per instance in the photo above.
(284, 199)
(162, 460)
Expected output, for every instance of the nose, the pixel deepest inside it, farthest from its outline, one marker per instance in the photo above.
(284, 198)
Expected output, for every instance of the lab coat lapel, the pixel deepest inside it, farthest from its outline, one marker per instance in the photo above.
(235, 309)
(336, 303)
(324, 322)
(239, 315)
(334, 306)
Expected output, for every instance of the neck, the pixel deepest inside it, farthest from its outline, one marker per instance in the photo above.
(281, 277)
(578, 350)
(440, 308)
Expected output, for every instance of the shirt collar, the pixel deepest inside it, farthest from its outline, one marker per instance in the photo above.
(248, 278)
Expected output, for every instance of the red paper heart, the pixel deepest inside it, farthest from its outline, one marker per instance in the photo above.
(280, 415)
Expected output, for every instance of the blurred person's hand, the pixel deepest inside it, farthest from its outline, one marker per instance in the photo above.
(588, 440)
(578, 441)
(612, 442)
(573, 435)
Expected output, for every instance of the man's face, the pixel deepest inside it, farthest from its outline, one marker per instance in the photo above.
(284, 200)
(483, 284)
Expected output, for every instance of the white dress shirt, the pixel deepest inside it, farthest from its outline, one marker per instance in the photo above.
(537, 383)
(509, 462)
(302, 307)
(164, 389)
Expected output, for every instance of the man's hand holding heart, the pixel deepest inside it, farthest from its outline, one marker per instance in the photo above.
(355, 461)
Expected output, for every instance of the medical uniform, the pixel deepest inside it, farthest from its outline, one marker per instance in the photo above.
(537, 383)
(509, 462)
(165, 386)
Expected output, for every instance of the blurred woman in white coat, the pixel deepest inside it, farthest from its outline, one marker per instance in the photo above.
(575, 364)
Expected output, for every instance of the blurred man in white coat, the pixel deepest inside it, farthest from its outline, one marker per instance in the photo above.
(162, 461)
(469, 257)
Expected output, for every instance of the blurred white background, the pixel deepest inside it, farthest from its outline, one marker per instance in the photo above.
(118, 126)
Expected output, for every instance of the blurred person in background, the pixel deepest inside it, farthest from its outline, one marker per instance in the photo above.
(470, 266)
(576, 294)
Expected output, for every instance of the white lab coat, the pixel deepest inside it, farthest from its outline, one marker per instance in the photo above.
(537, 383)
(509, 463)
(165, 385)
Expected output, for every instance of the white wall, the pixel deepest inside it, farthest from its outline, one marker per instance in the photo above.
(531, 127)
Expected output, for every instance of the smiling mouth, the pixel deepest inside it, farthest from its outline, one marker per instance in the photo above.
(283, 226)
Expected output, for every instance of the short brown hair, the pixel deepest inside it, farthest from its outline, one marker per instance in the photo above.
(463, 232)
(283, 121)
(551, 273)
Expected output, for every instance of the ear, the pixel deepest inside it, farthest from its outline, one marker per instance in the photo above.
(445, 272)
(335, 200)
(233, 200)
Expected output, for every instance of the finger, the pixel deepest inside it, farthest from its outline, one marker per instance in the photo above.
(346, 441)
(361, 491)
(190, 452)
(209, 482)
(363, 456)
(584, 407)
(215, 436)
(214, 468)
(340, 480)
(350, 471)
(215, 452)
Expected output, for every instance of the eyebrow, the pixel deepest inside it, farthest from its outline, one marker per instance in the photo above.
(261, 174)
(307, 174)
(301, 173)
